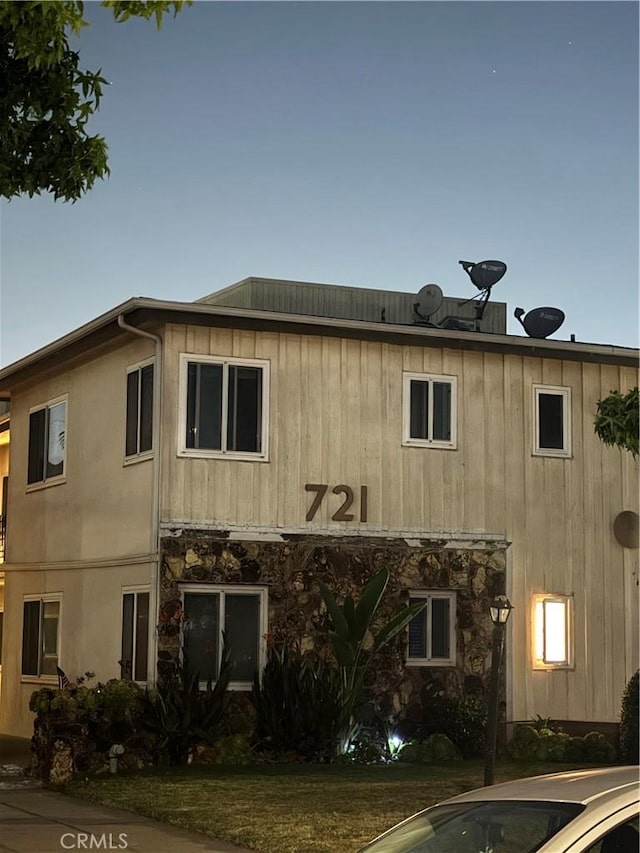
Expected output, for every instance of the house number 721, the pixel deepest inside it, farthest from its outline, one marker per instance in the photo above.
(341, 513)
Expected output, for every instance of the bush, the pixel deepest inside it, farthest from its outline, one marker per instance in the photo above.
(528, 744)
(629, 716)
(298, 705)
(524, 744)
(463, 721)
(436, 748)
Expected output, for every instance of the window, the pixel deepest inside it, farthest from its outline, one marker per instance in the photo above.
(552, 632)
(241, 612)
(135, 634)
(432, 633)
(225, 407)
(47, 442)
(552, 421)
(139, 434)
(41, 635)
(429, 411)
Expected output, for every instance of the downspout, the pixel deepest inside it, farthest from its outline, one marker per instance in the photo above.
(154, 579)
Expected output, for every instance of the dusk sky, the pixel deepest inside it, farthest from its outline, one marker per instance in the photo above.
(367, 144)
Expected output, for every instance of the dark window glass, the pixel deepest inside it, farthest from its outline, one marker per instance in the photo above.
(244, 415)
(440, 628)
(146, 408)
(126, 659)
(550, 421)
(418, 633)
(419, 420)
(201, 628)
(37, 441)
(142, 634)
(49, 627)
(204, 406)
(442, 411)
(133, 380)
(31, 638)
(242, 621)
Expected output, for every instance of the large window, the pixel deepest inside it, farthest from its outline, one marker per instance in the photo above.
(241, 613)
(139, 433)
(225, 407)
(41, 635)
(429, 411)
(552, 421)
(552, 631)
(135, 634)
(432, 633)
(47, 442)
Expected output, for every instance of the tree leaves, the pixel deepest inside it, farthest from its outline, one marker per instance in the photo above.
(46, 99)
(617, 421)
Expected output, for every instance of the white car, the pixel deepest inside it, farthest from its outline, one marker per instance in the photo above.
(581, 811)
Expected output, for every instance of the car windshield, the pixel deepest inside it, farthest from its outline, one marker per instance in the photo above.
(500, 826)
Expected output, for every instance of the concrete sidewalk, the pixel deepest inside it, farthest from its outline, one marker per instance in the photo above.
(36, 820)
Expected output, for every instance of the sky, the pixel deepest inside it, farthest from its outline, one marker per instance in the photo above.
(367, 144)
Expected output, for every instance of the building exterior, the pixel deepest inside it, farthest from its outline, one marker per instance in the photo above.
(180, 469)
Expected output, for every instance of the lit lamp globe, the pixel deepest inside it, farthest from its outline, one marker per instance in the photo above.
(500, 610)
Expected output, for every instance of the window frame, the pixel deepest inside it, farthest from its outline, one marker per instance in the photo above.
(225, 362)
(559, 391)
(135, 591)
(538, 639)
(56, 479)
(407, 378)
(232, 589)
(42, 598)
(429, 595)
(140, 456)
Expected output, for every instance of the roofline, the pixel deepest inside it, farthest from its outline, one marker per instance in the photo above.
(149, 310)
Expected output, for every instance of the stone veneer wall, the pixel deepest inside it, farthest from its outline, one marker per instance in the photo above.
(291, 568)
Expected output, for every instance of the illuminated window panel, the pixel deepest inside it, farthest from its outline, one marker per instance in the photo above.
(552, 640)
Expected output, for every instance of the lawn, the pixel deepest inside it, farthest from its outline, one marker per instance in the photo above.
(293, 808)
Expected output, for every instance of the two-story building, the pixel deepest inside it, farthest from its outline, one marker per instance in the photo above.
(183, 469)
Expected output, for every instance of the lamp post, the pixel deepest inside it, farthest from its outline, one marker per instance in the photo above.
(500, 610)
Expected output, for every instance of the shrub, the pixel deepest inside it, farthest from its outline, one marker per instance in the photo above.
(629, 716)
(524, 744)
(298, 704)
(528, 744)
(598, 749)
(436, 748)
(464, 721)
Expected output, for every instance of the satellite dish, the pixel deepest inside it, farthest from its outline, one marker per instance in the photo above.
(429, 299)
(485, 273)
(540, 322)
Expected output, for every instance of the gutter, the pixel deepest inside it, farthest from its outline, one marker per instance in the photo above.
(154, 578)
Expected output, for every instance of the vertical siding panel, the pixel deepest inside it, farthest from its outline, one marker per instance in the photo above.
(374, 421)
(453, 486)
(474, 430)
(393, 454)
(496, 479)
(351, 437)
(332, 392)
(287, 423)
(267, 474)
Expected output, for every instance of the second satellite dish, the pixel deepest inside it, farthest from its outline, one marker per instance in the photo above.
(429, 299)
(540, 322)
(484, 274)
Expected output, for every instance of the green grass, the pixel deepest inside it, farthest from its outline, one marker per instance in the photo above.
(293, 808)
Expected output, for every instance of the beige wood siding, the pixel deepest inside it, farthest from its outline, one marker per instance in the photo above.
(336, 418)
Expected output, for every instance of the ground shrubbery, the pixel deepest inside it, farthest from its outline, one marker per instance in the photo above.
(532, 744)
(629, 718)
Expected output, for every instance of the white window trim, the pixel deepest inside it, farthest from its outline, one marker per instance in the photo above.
(132, 590)
(428, 595)
(43, 679)
(537, 662)
(241, 589)
(565, 393)
(59, 478)
(183, 450)
(407, 441)
(147, 454)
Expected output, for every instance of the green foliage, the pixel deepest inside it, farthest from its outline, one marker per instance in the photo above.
(46, 99)
(298, 704)
(463, 720)
(617, 420)
(233, 749)
(528, 744)
(435, 749)
(629, 717)
(355, 644)
(179, 714)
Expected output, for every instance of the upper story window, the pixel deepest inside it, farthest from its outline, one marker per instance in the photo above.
(41, 635)
(552, 631)
(429, 410)
(224, 406)
(139, 434)
(237, 612)
(552, 420)
(432, 633)
(47, 442)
